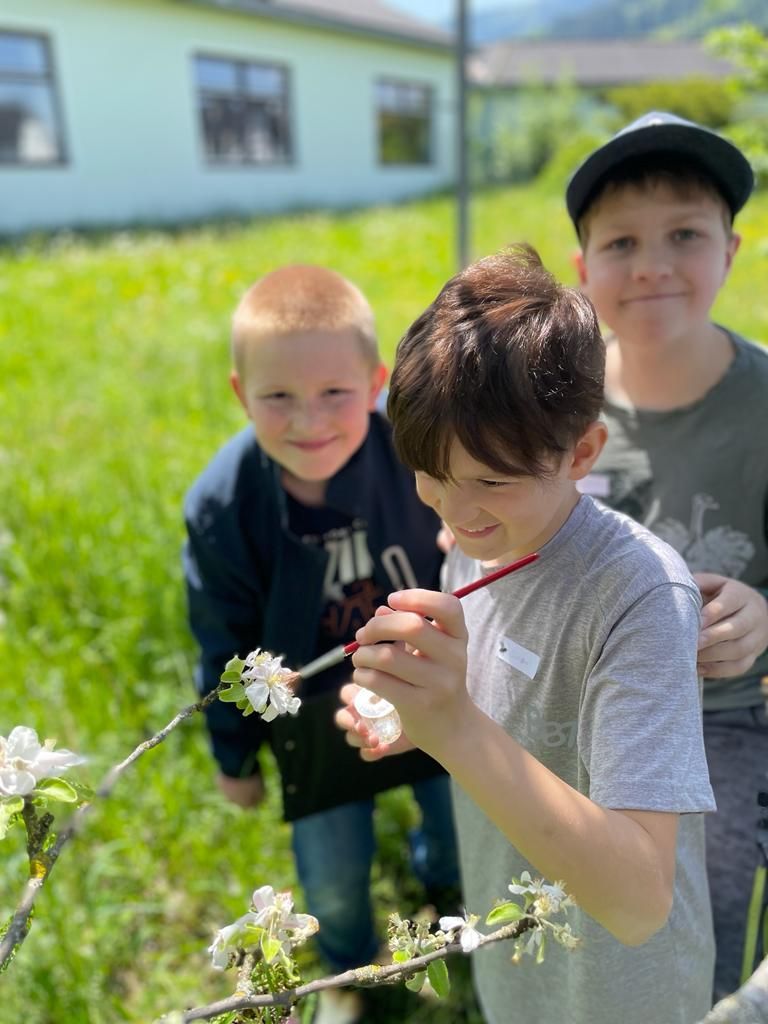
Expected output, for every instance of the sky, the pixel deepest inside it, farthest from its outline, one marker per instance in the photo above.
(441, 10)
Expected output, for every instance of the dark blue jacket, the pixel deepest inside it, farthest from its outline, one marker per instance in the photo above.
(252, 583)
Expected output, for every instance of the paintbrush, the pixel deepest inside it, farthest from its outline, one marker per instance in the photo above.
(338, 654)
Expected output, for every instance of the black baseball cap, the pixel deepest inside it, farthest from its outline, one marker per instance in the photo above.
(660, 132)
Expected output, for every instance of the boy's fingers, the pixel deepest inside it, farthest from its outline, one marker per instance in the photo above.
(411, 635)
(443, 609)
(709, 583)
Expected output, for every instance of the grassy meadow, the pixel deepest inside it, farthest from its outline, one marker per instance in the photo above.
(114, 361)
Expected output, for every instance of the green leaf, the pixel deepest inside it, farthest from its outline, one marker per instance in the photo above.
(234, 665)
(230, 677)
(437, 972)
(270, 947)
(541, 950)
(57, 789)
(233, 693)
(9, 809)
(416, 982)
(505, 913)
(400, 956)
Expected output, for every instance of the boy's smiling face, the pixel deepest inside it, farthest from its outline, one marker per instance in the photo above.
(308, 395)
(654, 262)
(496, 517)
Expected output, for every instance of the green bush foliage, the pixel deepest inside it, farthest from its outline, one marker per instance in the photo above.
(699, 99)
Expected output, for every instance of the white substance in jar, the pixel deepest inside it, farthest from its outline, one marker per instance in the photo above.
(379, 715)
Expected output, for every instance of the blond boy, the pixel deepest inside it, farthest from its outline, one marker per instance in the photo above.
(297, 530)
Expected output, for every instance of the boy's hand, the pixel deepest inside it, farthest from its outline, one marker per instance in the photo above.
(422, 671)
(359, 735)
(247, 792)
(734, 626)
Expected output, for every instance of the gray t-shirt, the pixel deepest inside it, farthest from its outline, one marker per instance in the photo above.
(697, 477)
(587, 658)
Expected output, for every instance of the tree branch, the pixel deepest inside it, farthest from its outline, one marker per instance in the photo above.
(44, 861)
(360, 976)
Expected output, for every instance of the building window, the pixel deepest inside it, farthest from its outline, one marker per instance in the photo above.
(404, 114)
(243, 111)
(30, 122)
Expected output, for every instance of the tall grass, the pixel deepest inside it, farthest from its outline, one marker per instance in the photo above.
(114, 361)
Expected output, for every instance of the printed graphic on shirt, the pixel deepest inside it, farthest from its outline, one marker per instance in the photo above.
(719, 549)
(537, 732)
(350, 593)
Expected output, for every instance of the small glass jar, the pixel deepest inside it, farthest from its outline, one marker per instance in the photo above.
(379, 715)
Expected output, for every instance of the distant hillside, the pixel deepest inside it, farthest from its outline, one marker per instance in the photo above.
(527, 18)
(680, 19)
(611, 19)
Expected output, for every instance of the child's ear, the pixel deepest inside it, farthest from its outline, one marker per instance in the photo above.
(733, 247)
(578, 264)
(587, 450)
(237, 387)
(377, 383)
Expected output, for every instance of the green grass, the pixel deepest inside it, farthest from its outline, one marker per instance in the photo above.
(114, 361)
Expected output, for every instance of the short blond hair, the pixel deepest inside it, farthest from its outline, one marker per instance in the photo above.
(301, 297)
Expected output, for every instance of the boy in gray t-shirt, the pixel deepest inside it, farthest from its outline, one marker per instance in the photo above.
(563, 699)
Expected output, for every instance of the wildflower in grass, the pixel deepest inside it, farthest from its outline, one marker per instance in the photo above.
(469, 936)
(24, 762)
(261, 684)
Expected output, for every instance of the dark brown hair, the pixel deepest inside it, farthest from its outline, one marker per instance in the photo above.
(685, 177)
(506, 361)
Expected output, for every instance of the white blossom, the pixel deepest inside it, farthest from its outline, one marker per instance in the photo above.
(271, 916)
(469, 936)
(274, 911)
(546, 899)
(228, 939)
(24, 762)
(264, 679)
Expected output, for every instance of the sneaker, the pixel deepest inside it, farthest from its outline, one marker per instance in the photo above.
(338, 1006)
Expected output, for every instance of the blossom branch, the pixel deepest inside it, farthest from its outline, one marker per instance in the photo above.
(371, 975)
(42, 861)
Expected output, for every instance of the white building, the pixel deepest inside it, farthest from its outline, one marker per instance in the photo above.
(121, 111)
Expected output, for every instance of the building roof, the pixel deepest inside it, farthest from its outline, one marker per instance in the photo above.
(590, 62)
(366, 17)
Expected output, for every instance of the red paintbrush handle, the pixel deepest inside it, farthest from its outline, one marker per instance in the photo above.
(470, 587)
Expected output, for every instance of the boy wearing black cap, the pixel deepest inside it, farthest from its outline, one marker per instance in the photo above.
(687, 417)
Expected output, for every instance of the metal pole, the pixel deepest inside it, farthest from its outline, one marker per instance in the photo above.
(462, 171)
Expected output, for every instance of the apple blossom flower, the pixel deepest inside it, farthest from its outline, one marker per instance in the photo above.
(266, 686)
(274, 911)
(545, 899)
(271, 917)
(24, 762)
(229, 939)
(469, 936)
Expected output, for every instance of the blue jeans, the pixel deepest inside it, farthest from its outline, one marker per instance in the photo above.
(334, 851)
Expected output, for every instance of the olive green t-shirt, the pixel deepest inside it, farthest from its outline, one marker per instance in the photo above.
(697, 477)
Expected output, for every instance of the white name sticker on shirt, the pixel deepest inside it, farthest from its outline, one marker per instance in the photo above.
(518, 657)
(596, 484)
